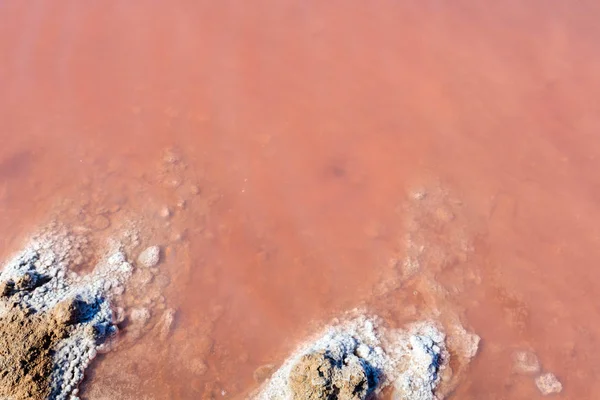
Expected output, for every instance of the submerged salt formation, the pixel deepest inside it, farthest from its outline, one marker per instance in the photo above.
(54, 321)
(548, 383)
(358, 358)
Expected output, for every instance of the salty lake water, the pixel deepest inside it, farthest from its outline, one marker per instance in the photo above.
(288, 140)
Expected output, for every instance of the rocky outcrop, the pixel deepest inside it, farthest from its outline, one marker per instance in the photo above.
(319, 375)
(359, 357)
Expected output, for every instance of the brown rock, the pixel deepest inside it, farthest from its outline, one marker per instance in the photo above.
(352, 382)
(6, 288)
(26, 343)
(67, 312)
(25, 281)
(317, 376)
(312, 377)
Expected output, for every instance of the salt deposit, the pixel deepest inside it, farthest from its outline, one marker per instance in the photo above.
(149, 257)
(69, 312)
(360, 357)
(548, 383)
(526, 362)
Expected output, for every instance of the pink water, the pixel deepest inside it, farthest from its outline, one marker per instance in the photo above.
(305, 125)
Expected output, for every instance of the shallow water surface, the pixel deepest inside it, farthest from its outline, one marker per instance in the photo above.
(288, 140)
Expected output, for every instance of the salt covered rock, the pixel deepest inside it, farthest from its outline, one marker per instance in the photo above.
(421, 366)
(356, 359)
(525, 362)
(65, 314)
(140, 316)
(165, 212)
(464, 343)
(166, 323)
(149, 257)
(548, 383)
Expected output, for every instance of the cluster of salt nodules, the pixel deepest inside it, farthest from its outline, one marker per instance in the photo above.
(358, 358)
(526, 362)
(41, 279)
